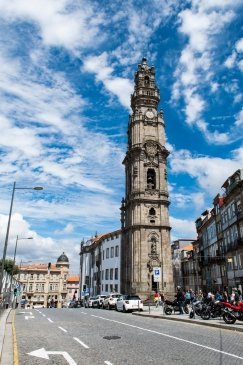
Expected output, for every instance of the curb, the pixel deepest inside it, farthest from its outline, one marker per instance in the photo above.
(192, 321)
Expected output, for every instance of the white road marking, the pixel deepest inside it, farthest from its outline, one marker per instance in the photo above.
(42, 353)
(27, 317)
(49, 319)
(43, 315)
(83, 312)
(175, 338)
(108, 363)
(81, 343)
(63, 329)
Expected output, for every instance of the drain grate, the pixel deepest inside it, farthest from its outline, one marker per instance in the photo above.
(111, 337)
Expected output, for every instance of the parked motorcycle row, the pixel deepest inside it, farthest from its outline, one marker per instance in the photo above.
(206, 310)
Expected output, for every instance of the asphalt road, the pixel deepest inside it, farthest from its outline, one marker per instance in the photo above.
(95, 336)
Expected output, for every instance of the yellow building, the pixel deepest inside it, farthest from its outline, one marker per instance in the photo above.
(44, 284)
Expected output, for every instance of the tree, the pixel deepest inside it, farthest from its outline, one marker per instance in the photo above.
(9, 266)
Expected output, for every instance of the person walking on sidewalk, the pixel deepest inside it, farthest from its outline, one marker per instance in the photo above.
(156, 299)
(180, 299)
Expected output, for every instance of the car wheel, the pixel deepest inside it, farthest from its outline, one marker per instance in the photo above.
(109, 307)
(116, 308)
(124, 309)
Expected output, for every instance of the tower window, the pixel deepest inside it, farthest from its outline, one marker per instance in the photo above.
(152, 211)
(151, 179)
(146, 80)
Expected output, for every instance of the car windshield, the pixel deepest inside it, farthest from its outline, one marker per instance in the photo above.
(116, 295)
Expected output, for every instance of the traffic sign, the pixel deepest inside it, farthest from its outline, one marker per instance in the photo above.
(157, 274)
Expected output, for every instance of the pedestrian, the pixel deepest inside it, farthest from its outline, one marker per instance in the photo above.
(156, 299)
(188, 297)
(180, 299)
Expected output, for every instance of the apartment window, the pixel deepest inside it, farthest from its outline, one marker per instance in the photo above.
(102, 275)
(111, 287)
(116, 287)
(117, 251)
(103, 254)
(106, 274)
(112, 252)
(31, 276)
(31, 287)
(107, 253)
(111, 274)
(106, 287)
(116, 273)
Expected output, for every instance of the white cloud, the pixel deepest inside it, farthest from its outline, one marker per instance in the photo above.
(182, 228)
(118, 86)
(239, 45)
(202, 24)
(59, 22)
(209, 172)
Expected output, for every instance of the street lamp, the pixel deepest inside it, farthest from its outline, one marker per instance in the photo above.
(16, 244)
(8, 227)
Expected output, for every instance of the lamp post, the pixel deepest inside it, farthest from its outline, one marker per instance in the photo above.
(15, 250)
(8, 227)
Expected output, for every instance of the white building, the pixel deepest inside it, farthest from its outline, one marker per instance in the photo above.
(100, 264)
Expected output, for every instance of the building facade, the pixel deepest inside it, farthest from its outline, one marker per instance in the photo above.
(145, 242)
(44, 283)
(220, 238)
(100, 259)
(72, 288)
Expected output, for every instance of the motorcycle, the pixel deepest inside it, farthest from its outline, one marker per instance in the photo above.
(232, 312)
(197, 307)
(213, 310)
(172, 306)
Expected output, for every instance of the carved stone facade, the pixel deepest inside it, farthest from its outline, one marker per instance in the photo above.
(145, 225)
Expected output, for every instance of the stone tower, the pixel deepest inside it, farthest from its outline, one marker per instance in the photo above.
(145, 242)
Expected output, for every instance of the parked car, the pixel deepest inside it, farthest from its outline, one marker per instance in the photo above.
(98, 301)
(129, 303)
(109, 301)
(89, 302)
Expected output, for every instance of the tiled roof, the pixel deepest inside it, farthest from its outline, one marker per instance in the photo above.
(73, 278)
(38, 267)
(187, 248)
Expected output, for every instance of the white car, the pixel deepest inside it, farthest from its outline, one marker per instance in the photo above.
(110, 301)
(128, 303)
(99, 301)
(89, 302)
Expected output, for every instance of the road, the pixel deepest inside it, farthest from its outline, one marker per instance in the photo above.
(95, 336)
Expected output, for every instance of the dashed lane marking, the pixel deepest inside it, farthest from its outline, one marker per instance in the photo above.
(81, 343)
(63, 329)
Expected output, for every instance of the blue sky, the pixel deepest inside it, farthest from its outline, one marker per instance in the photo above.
(66, 76)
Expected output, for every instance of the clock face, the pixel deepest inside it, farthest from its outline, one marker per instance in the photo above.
(149, 114)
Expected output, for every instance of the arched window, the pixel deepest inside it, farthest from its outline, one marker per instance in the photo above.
(152, 211)
(146, 80)
(151, 179)
(153, 245)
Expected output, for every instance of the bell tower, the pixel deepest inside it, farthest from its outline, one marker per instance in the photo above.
(145, 242)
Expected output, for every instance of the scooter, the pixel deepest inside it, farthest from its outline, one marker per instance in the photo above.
(232, 312)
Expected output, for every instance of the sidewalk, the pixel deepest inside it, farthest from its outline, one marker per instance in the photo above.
(6, 337)
(212, 322)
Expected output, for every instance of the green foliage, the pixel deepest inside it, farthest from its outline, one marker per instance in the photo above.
(9, 266)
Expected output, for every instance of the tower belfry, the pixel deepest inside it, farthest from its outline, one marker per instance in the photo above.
(144, 211)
